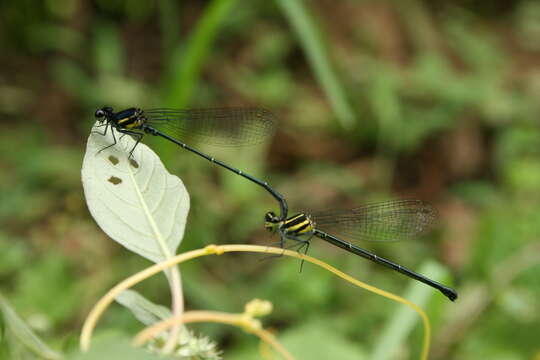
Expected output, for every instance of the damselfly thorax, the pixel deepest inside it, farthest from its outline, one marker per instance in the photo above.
(294, 226)
(298, 225)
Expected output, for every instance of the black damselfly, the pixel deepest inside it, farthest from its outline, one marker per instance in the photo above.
(216, 126)
(384, 221)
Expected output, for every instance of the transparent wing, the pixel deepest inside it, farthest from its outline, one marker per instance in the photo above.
(215, 126)
(384, 221)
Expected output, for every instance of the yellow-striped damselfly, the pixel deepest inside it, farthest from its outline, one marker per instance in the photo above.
(383, 221)
(215, 126)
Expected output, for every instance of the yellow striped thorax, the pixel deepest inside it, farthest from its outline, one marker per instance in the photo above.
(129, 119)
(132, 118)
(296, 225)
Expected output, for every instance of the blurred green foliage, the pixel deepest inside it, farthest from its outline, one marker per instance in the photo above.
(430, 100)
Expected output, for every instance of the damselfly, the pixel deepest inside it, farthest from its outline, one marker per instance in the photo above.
(217, 126)
(384, 221)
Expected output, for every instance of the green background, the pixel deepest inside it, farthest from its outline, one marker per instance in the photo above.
(435, 100)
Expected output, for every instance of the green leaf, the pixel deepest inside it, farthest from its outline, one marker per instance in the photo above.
(135, 201)
(143, 309)
(19, 339)
(317, 55)
(403, 322)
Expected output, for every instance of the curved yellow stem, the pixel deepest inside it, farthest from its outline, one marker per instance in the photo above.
(241, 320)
(109, 297)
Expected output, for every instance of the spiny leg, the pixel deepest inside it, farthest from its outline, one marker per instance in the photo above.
(282, 240)
(281, 243)
(306, 244)
(114, 138)
(301, 243)
(104, 131)
(138, 137)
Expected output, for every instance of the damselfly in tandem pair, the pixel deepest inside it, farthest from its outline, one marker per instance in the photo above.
(384, 221)
(214, 126)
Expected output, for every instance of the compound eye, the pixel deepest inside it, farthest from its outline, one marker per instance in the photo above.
(270, 216)
(99, 113)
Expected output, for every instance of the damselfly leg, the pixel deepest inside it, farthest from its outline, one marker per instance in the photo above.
(113, 136)
(303, 243)
(136, 135)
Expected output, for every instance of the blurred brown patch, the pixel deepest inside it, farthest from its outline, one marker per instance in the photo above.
(465, 149)
(460, 224)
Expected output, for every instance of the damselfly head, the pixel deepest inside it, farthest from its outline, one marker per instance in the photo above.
(103, 113)
(271, 221)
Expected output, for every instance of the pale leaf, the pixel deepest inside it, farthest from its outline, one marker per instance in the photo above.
(135, 201)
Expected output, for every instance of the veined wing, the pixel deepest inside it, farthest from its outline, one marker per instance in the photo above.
(384, 221)
(216, 126)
